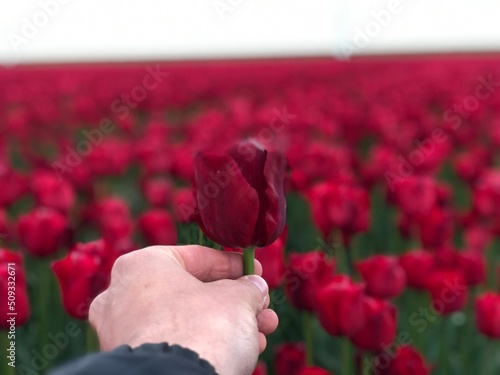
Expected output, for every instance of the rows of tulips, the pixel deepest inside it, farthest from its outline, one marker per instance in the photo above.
(389, 260)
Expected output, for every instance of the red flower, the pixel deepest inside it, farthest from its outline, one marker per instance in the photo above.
(342, 206)
(472, 265)
(384, 277)
(379, 329)
(488, 314)
(5, 229)
(49, 191)
(406, 361)
(340, 306)
(83, 274)
(43, 231)
(418, 265)
(313, 371)
(448, 290)
(436, 227)
(240, 195)
(158, 227)
(289, 358)
(157, 191)
(11, 270)
(306, 273)
(113, 220)
(272, 259)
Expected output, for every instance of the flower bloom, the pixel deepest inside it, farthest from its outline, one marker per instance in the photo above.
(383, 276)
(240, 195)
(488, 314)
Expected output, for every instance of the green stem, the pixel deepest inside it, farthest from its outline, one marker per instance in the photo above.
(443, 359)
(248, 260)
(308, 337)
(346, 356)
(91, 341)
(43, 303)
(200, 236)
(349, 262)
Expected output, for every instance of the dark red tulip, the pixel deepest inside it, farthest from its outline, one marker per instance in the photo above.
(240, 195)
(448, 289)
(11, 265)
(158, 227)
(416, 195)
(289, 358)
(473, 266)
(52, 192)
(488, 314)
(305, 274)
(477, 237)
(272, 258)
(43, 231)
(383, 275)
(313, 371)
(340, 307)
(418, 266)
(82, 274)
(406, 361)
(379, 328)
(113, 220)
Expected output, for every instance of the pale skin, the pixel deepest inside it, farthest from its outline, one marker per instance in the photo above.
(192, 296)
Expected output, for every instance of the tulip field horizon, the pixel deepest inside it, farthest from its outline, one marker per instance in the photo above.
(368, 189)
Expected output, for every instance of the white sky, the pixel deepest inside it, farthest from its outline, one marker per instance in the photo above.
(94, 30)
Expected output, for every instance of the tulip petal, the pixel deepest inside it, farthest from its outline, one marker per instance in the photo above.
(228, 206)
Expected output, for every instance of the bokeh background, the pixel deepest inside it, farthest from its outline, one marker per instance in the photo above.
(387, 113)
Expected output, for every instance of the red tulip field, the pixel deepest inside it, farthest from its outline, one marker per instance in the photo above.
(369, 190)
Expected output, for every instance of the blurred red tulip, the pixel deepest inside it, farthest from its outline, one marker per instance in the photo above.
(289, 358)
(305, 274)
(240, 195)
(383, 276)
(340, 307)
(272, 258)
(448, 289)
(379, 329)
(43, 231)
(261, 369)
(13, 185)
(488, 314)
(158, 227)
(157, 191)
(473, 266)
(313, 371)
(406, 361)
(51, 192)
(184, 205)
(82, 274)
(418, 266)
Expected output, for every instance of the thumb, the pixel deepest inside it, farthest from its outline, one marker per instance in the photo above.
(256, 291)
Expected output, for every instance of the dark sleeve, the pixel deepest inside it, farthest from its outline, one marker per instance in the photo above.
(148, 359)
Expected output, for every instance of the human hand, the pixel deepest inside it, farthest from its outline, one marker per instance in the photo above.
(192, 296)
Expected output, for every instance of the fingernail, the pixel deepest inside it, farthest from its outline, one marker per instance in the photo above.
(260, 283)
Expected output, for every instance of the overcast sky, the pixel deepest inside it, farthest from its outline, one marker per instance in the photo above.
(96, 30)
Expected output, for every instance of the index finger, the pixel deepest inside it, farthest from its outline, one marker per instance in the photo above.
(207, 264)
